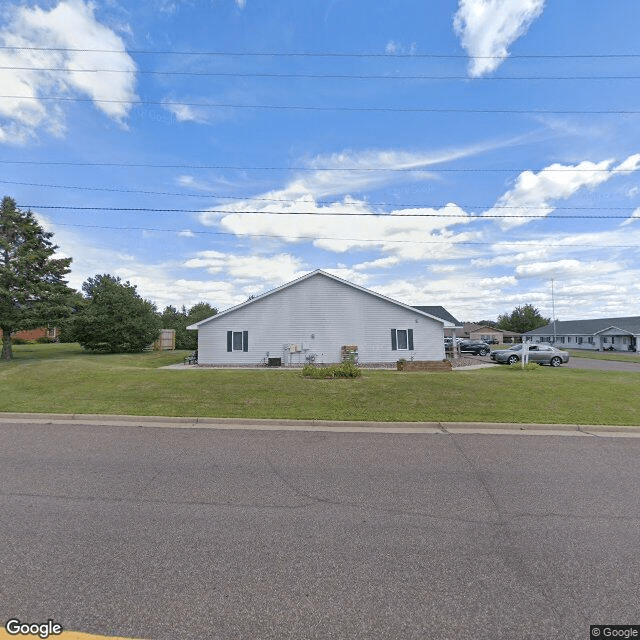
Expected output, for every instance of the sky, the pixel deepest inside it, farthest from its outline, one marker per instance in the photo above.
(474, 154)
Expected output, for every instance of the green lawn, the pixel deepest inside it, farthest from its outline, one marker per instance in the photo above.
(618, 356)
(64, 379)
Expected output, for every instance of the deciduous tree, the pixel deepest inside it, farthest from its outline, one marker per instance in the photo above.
(116, 319)
(522, 319)
(172, 318)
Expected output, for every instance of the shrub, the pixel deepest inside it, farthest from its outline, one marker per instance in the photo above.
(44, 340)
(346, 369)
(530, 366)
(19, 341)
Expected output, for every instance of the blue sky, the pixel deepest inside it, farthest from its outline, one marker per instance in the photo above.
(211, 150)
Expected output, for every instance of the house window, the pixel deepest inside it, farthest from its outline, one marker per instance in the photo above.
(237, 341)
(579, 339)
(590, 339)
(402, 339)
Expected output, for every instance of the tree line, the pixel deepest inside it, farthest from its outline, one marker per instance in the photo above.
(108, 316)
(522, 319)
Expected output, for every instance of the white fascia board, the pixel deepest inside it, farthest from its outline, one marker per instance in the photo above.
(622, 331)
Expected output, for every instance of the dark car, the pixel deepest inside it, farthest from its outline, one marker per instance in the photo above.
(476, 347)
(540, 353)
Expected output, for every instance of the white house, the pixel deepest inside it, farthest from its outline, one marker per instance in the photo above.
(318, 318)
(600, 334)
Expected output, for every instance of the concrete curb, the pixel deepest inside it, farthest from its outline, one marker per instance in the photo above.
(265, 424)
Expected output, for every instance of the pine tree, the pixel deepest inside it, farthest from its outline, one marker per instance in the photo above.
(33, 291)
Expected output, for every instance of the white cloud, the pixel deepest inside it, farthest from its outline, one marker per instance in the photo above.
(565, 268)
(391, 47)
(380, 263)
(348, 224)
(534, 193)
(307, 209)
(183, 112)
(276, 269)
(349, 171)
(633, 191)
(632, 218)
(488, 27)
(71, 24)
(394, 48)
(632, 163)
(189, 113)
(500, 280)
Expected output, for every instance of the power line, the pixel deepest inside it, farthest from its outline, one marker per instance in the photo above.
(513, 241)
(354, 169)
(281, 107)
(330, 213)
(320, 201)
(331, 76)
(326, 54)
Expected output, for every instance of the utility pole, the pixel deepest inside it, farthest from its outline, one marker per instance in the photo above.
(553, 311)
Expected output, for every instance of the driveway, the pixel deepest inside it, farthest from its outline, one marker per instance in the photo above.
(574, 363)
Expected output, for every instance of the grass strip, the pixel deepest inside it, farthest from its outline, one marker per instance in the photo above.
(63, 379)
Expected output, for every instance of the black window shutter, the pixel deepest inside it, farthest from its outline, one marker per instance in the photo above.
(229, 340)
(410, 338)
(394, 343)
(245, 341)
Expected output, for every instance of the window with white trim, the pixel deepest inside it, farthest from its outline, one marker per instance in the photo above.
(402, 339)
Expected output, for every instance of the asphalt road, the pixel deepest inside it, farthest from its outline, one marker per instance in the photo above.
(602, 365)
(212, 534)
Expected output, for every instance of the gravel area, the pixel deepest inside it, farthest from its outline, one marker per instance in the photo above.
(469, 361)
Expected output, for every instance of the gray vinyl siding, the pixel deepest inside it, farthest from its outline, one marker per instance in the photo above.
(323, 315)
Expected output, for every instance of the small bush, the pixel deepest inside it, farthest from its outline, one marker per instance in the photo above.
(345, 370)
(20, 341)
(44, 340)
(530, 366)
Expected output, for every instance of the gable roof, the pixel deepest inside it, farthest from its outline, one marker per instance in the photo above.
(630, 324)
(316, 273)
(439, 312)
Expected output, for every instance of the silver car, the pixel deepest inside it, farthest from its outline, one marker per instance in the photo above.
(540, 353)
